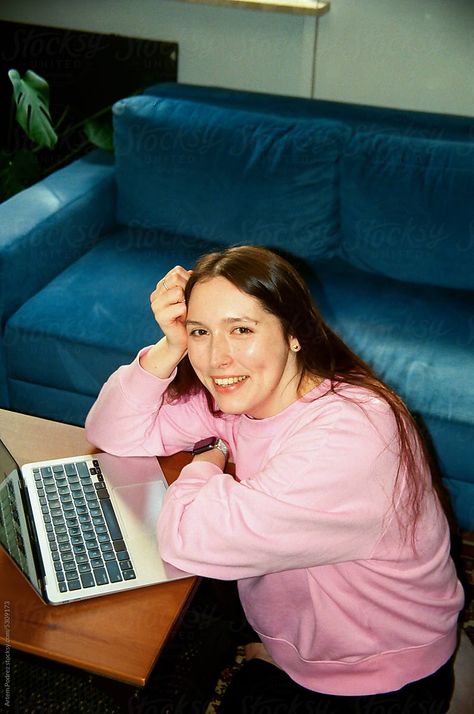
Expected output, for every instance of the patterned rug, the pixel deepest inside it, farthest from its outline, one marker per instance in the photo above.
(466, 558)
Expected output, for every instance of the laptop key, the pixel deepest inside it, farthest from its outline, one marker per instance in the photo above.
(109, 556)
(74, 585)
(100, 576)
(84, 568)
(129, 575)
(71, 575)
(62, 587)
(123, 555)
(87, 580)
(113, 571)
(111, 519)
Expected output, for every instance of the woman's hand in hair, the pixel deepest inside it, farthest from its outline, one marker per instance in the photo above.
(169, 309)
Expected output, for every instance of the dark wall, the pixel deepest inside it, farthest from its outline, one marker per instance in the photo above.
(86, 71)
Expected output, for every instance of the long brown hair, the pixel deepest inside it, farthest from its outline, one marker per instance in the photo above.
(276, 284)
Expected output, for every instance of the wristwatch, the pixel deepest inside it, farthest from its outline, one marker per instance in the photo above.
(212, 442)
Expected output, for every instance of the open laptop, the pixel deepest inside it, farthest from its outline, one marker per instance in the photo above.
(83, 526)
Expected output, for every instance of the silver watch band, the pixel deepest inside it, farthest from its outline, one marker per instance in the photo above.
(221, 445)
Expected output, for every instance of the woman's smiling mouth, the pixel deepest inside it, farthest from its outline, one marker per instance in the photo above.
(225, 382)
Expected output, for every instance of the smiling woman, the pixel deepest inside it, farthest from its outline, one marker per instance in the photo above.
(331, 526)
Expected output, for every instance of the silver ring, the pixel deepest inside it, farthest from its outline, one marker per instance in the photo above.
(165, 285)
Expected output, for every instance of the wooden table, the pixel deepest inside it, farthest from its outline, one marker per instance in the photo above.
(118, 636)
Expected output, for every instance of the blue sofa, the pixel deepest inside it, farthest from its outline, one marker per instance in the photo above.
(376, 204)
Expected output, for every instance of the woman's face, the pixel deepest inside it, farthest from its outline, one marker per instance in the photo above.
(239, 351)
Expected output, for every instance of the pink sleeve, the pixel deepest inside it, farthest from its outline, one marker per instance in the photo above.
(324, 497)
(129, 417)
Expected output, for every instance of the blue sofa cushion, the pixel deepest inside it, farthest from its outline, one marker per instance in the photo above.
(95, 315)
(228, 176)
(417, 337)
(407, 208)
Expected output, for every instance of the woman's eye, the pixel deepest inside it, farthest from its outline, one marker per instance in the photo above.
(198, 332)
(242, 330)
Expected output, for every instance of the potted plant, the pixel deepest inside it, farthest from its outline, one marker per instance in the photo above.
(21, 165)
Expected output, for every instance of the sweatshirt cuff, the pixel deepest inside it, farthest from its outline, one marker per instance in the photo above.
(139, 385)
(201, 470)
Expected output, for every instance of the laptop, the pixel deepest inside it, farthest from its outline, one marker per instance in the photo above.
(84, 526)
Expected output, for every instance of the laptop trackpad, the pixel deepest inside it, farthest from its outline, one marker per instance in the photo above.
(137, 507)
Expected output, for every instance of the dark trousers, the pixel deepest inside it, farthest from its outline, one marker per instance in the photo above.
(263, 688)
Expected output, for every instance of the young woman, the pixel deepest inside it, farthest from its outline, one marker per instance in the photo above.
(331, 524)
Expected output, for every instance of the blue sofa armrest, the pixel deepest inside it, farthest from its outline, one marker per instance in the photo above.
(48, 226)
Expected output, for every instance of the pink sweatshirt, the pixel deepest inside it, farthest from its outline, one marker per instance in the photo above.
(338, 597)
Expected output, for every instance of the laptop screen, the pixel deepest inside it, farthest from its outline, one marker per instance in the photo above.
(15, 534)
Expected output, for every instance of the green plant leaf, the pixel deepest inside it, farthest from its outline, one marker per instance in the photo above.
(31, 96)
(17, 171)
(99, 131)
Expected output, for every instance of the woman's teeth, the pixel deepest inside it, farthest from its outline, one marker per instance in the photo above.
(226, 381)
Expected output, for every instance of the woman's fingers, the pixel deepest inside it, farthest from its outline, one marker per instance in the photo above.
(172, 285)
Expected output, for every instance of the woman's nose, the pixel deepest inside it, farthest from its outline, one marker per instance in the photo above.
(220, 352)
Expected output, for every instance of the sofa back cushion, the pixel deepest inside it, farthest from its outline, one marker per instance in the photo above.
(228, 176)
(407, 208)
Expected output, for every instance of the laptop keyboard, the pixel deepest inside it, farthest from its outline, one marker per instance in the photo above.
(84, 535)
